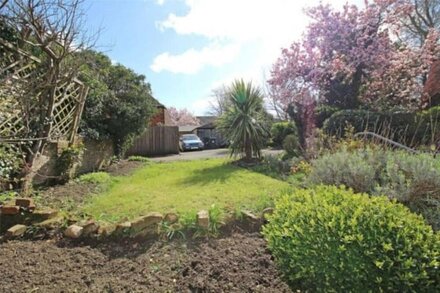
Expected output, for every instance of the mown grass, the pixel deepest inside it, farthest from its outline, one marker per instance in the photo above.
(183, 187)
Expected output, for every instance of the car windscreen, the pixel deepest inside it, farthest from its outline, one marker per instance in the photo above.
(190, 137)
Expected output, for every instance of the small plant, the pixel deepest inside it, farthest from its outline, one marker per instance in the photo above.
(216, 217)
(291, 146)
(168, 231)
(95, 178)
(67, 161)
(139, 159)
(329, 239)
(188, 220)
(301, 167)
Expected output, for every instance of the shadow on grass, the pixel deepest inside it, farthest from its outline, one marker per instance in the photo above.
(210, 175)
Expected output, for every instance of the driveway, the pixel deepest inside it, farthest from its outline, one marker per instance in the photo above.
(205, 154)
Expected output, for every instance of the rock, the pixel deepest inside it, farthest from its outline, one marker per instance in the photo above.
(89, 227)
(171, 218)
(51, 223)
(250, 217)
(106, 230)
(16, 231)
(74, 231)
(203, 219)
(267, 211)
(10, 210)
(41, 215)
(24, 202)
(144, 222)
(122, 228)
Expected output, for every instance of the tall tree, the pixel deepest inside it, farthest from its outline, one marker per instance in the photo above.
(119, 104)
(352, 58)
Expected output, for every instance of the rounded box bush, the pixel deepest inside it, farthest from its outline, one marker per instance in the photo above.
(330, 239)
(280, 130)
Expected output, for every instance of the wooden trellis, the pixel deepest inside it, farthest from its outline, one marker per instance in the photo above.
(17, 67)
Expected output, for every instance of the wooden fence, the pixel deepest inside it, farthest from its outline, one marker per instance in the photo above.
(155, 141)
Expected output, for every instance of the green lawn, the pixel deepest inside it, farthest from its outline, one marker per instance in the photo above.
(183, 187)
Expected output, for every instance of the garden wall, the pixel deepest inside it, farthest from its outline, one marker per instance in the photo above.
(96, 155)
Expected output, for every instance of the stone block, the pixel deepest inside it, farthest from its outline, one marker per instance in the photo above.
(24, 202)
(89, 227)
(51, 223)
(122, 228)
(203, 219)
(41, 215)
(249, 216)
(171, 218)
(16, 231)
(144, 222)
(106, 230)
(74, 231)
(10, 210)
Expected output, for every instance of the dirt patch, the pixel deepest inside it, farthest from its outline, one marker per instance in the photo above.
(67, 196)
(123, 168)
(237, 263)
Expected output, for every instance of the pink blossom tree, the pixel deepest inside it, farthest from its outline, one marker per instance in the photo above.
(181, 117)
(355, 57)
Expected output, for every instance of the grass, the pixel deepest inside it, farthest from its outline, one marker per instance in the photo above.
(183, 187)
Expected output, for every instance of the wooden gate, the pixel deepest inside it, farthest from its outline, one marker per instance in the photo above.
(156, 141)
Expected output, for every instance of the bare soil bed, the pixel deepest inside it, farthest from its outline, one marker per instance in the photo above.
(236, 263)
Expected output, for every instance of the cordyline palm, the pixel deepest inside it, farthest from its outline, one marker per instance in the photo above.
(243, 122)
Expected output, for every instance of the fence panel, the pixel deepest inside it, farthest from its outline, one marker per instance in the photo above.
(155, 141)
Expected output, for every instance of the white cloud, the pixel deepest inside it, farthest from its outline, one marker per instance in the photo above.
(160, 2)
(193, 60)
(270, 24)
(201, 106)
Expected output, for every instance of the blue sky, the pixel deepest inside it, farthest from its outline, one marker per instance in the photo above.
(187, 48)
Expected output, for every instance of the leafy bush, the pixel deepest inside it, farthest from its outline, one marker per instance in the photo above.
(96, 178)
(344, 168)
(291, 146)
(280, 130)
(329, 239)
(413, 180)
(413, 129)
(11, 162)
(323, 112)
(119, 103)
(67, 161)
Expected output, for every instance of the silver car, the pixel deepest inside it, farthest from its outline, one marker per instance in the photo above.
(190, 142)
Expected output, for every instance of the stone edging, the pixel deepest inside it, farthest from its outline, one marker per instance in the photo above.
(21, 215)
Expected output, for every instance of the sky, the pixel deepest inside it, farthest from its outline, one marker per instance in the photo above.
(187, 48)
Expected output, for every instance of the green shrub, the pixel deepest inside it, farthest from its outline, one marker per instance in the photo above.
(95, 178)
(67, 161)
(413, 180)
(281, 130)
(323, 112)
(353, 169)
(332, 240)
(291, 146)
(11, 163)
(412, 129)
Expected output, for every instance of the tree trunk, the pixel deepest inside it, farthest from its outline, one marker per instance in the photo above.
(248, 148)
